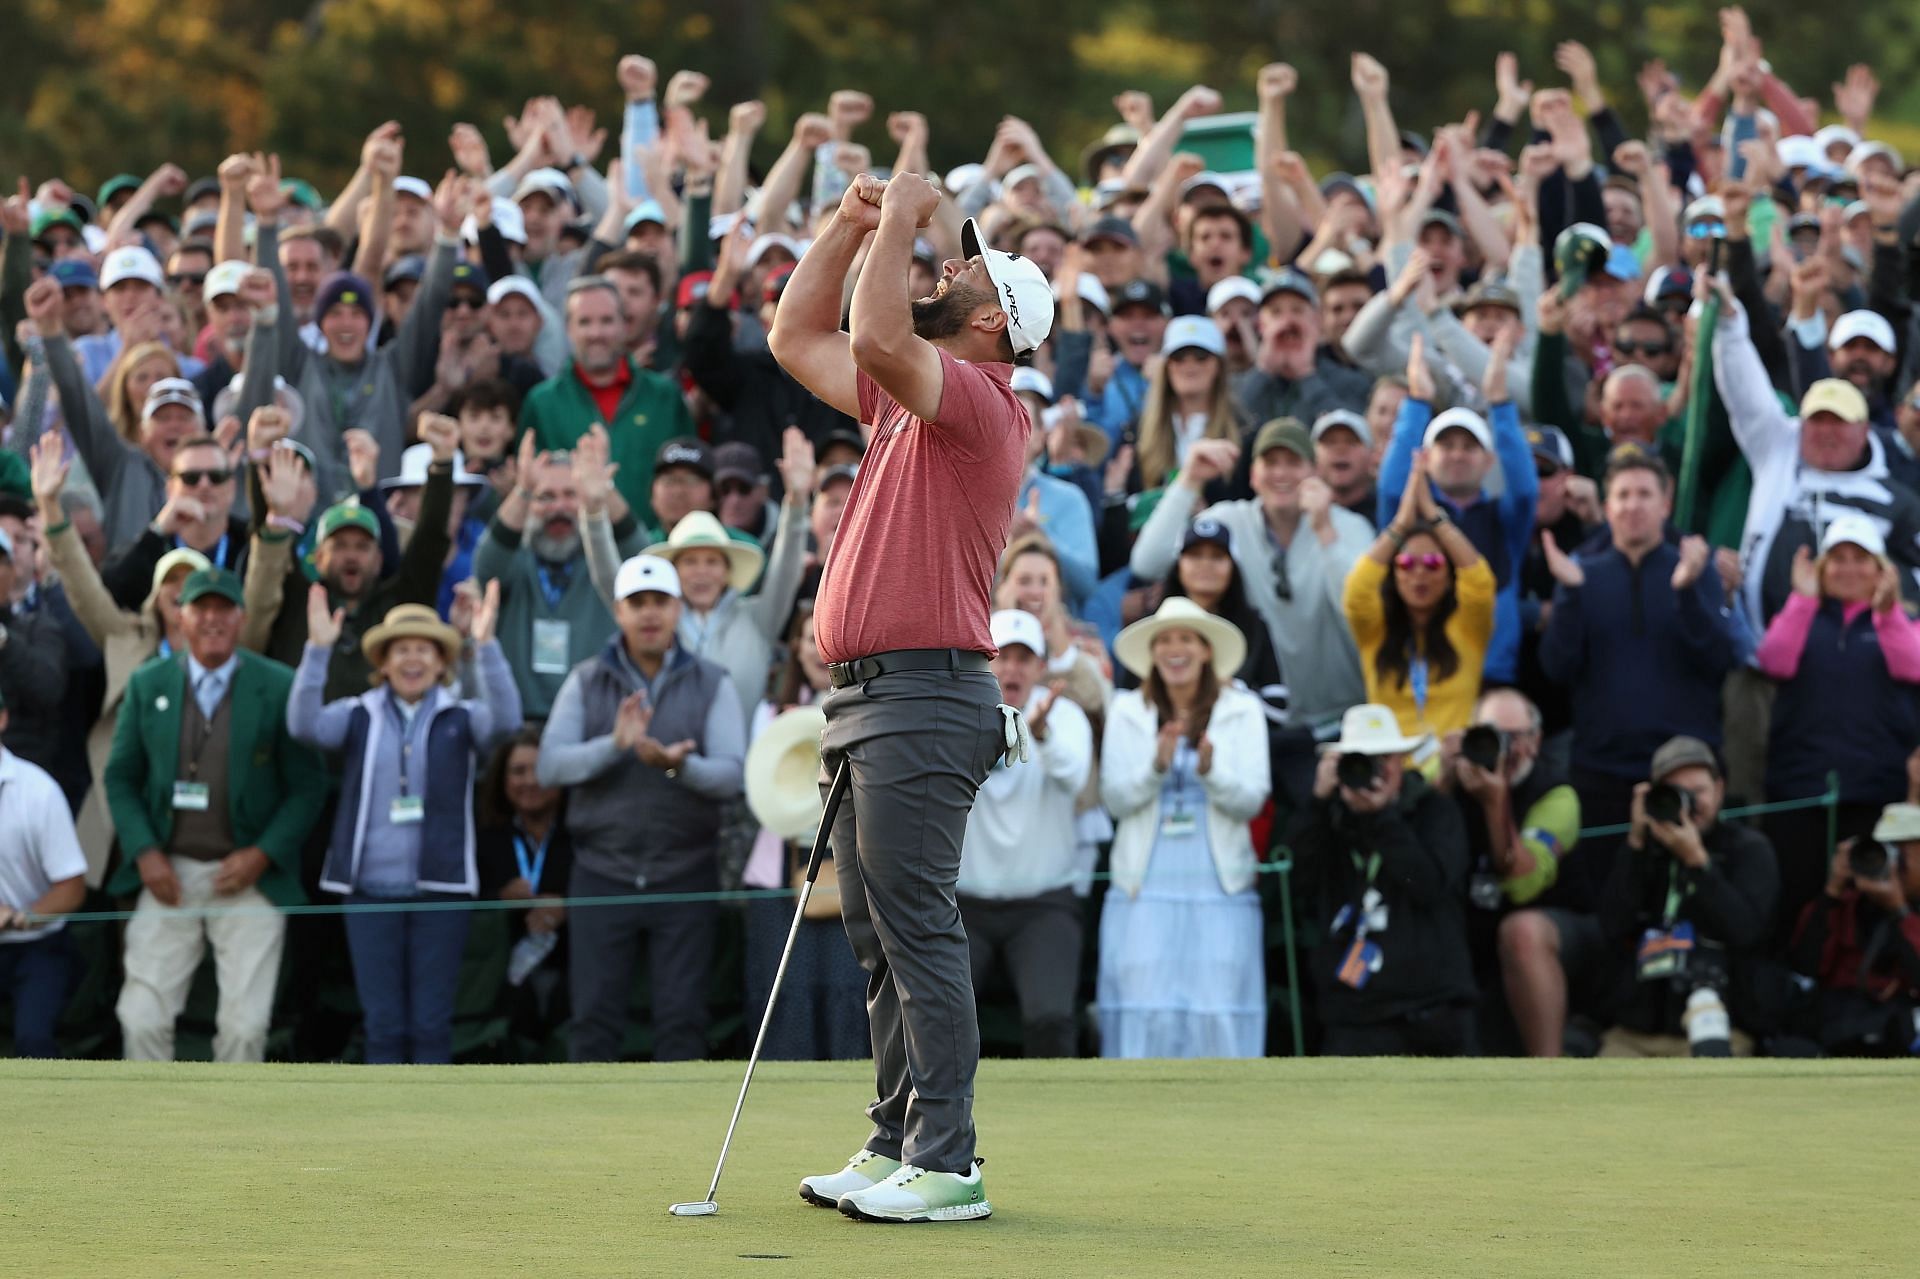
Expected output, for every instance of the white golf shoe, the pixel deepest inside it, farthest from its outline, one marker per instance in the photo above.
(918, 1194)
(862, 1172)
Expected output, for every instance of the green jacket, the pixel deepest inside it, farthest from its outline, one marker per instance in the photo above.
(14, 477)
(559, 411)
(276, 787)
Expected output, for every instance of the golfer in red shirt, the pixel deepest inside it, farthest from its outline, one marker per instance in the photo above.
(901, 620)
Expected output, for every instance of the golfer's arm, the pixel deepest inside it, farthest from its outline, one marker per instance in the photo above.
(806, 337)
(885, 347)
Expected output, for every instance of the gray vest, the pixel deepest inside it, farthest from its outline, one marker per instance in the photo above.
(632, 821)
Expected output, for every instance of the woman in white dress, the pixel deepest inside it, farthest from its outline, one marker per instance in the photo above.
(1183, 770)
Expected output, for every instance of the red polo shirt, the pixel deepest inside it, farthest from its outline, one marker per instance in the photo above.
(607, 398)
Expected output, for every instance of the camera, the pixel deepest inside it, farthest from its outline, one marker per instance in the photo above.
(1357, 771)
(1667, 803)
(1872, 859)
(1485, 746)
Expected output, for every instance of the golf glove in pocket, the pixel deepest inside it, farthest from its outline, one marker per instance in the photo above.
(1019, 746)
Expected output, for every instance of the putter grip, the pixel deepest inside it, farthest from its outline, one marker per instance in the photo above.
(837, 791)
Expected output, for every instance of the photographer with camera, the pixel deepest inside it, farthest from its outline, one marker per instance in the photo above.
(1861, 942)
(1522, 816)
(1690, 897)
(1381, 859)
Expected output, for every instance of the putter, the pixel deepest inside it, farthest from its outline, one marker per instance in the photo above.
(835, 793)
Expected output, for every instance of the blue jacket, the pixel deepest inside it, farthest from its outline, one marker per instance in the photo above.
(1499, 528)
(1644, 663)
(1067, 521)
(1117, 411)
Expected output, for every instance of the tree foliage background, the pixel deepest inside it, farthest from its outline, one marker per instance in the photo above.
(94, 87)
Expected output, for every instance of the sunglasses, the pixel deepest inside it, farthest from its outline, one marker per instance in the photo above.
(1545, 470)
(1427, 560)
(468, 302)
(194, 479)
(735, 488)
(195, 278)
(1706, 231)
(1630, 347)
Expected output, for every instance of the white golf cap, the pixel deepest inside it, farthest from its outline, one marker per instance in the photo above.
(224, 280)
(766, 243)
(1463, 419)
(1094, 293)
(1032, 380)
(415, 187)
(548, 182)
(1206, 178)
(1021, 288)
(646, 573)
(1855, 529)
(1021, 173)
(1836, 134)
(131, 262)
(646, 211)
(962, 176)
(1225, 291)
(507, 220)
(413, 470)
(173, 390)
(1798, 152)
(1707, 206)
(1868, 150)
(1343, 417)
(508, 285)
(1017, 626)
(1195, 332)
(1870, 325)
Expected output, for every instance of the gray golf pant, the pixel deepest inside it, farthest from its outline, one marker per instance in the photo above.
(919, 745)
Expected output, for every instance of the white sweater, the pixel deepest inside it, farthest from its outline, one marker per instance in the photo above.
(1020, 836)
(1236, 786)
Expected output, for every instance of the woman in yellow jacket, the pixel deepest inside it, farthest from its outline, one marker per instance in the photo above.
(1420, 603)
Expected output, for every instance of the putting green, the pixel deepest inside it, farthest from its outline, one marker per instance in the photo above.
(1096, 1168)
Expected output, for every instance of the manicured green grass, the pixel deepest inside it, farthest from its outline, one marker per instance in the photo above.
(1151, 1168)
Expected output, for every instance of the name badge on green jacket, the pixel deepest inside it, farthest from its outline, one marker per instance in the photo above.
(191, 797)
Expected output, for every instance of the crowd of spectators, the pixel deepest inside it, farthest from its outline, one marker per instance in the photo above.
(1475, 532)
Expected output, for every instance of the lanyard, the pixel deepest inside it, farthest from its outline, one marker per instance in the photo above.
(219, 556)
(1675, 894)
(554, 592)
(1370, 867)
(530, 870)
(1417, 677)
(406, 727)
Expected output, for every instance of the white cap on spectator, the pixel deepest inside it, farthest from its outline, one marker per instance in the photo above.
(1798, 152)
(1867, 150)
(172, 390)
(1017, 626)
(415, 187)
(548, 182)
(1707, 206)
(646, 573)
(1854, 529)
(224, 280)
(962, 176)
(1206, 178)
(513, 284)
(1021, 173)
(646, 211)
(1195, 332)
(1463, 419)
(1225, 291)
(1342, 417)
(507, 220)
(1835, 134)
(131, 262)
(413, 470)
(1331, 261)
(1027, 378)
(1093, 293)
(1857, 209)
(1870, 325)
(772, 240)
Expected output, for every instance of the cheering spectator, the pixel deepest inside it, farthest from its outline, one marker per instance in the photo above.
(404, 827)
(1183, 769)
(1344, 458)
(1187, 400)
(1861, 941)
(212, 802)
(1566, 510)
(1207, 574)
(1061, 453)
(129, 379)
(42, 877)
(1116, 381)
(1846, 659)
(1686, 907)
(651, 739)
(1381, 858)
(1292, 376)
(1421, 605)
(33, 667)
(524, 853)
(1019, 860)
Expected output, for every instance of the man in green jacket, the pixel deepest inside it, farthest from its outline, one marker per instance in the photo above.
(211, 802)
(602, 385)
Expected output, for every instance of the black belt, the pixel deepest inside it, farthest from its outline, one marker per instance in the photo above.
(862, 669)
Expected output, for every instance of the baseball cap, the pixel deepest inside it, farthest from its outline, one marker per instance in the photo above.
(1491, 293)
(1233, 286)
(1797, 152)
(1193, 332)
(1344, 182)
(1032, 380)
(1836, 396)
(548, 182)
(507, 220)
(509, 285)
(1836, 133)
(1284, 433)
(1288, 280)
(1093, 293)
(738, 460)
(1333, 418)
(1021, 287)
(131, 262)
(1898, 823)
(173, 559)
(1206, 529)
(1442, 218)
(1017, 626)
(1707, 206)
(1141, 293)
(172, 390)
(224, 280)
(1111, 228)
(1856, 529)
(1580, 251)
(415, 187)
(347, 514)
(842, 435)
(645, 573)
(212, 581)
(469, 275)
(845, 471)
(47, 219)
(115, 185)
(411, 267)
(413, 470)
(763, 244)
(200, 189)
(1667, 282)
(1870, 325)
(1550, 444)
(1868, 150)
(73, 273)
(302, 193)
(1458, 420)
(684, 450)
(1205, 178)
(1682, 752)
(1028, 172)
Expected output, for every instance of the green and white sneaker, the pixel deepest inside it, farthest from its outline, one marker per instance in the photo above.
(916, 1194)
(864, 1171)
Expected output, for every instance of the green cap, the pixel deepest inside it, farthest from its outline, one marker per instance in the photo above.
(347, 514)
(212, 581)
(1284, 433)
(46, 221)
(115, 185)
(301, 192)
(1579, 252)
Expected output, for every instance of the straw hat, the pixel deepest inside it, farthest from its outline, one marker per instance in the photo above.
(411, 621)
(701, 530)
(783, 773)
(1134, 646)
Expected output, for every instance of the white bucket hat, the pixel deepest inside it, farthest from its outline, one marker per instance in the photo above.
(1371, 729)
(1134, 645)
(783, 773)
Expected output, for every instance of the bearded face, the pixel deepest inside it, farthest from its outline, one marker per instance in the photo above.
(946, 312)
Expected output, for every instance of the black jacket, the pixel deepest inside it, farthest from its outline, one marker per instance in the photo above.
(762, 398)
(128, 572)
(33, 684)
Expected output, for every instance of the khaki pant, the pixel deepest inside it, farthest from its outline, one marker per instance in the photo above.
(1621, 1042)
(164, 949)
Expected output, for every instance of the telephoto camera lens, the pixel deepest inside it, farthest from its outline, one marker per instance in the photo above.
(1356, 771)
(1666, 802)
(1871, 860)
(1484, 745)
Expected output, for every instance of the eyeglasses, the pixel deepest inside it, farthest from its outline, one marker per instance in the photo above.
(195, 278)
(194, 479)
(1629, 347)
(735, 488)
(1429, 560)
(1706, 231)
(465, 302)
